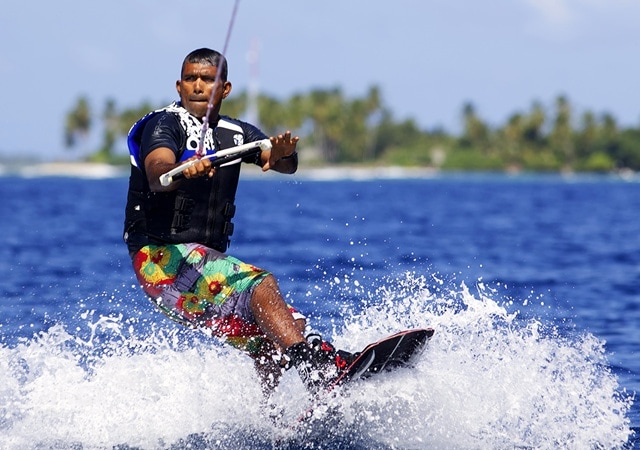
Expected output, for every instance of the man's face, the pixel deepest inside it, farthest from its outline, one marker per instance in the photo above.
(195, 88)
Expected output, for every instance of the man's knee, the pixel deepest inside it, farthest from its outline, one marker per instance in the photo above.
(268, 282)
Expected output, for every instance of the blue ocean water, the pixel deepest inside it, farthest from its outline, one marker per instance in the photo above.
(532, 284)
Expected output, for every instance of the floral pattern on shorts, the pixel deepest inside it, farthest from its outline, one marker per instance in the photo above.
(200, 287)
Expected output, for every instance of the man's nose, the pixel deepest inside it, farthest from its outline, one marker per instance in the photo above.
(198, 86)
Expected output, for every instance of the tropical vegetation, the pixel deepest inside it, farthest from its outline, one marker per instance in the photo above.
(336, 129)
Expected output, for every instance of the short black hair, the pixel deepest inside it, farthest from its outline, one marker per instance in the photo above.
(207, 56)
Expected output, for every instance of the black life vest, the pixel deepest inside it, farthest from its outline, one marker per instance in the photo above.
(201, 209)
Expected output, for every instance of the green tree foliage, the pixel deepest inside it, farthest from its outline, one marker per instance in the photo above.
(338, 129)
(235, 105)
(110, 118)
(561, 138)
(77, 122)
(476, 133)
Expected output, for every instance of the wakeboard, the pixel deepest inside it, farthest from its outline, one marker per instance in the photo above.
(390, 353)
(387, 354)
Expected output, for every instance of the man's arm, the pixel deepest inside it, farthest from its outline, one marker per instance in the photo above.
(282, 157)
(161, 139)
(162, 159)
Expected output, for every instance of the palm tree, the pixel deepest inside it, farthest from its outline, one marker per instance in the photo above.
(326, 113)
(562, 134)
(111, 126)
(476, 134)
(534, 125)
(78, 122)
(586, 142)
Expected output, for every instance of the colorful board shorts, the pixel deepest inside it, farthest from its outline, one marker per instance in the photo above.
(203, 288)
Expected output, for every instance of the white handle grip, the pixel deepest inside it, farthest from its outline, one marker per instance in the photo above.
(167, 178)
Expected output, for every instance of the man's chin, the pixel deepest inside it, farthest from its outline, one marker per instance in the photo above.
(198, 109)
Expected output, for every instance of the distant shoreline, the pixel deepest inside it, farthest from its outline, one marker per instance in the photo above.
(70, 169)
(91, 170)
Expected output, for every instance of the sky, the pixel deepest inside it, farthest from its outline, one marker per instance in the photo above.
(429, 57)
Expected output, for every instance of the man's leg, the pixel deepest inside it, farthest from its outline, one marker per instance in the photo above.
(317, 363)
(274, 317)
(190, 283)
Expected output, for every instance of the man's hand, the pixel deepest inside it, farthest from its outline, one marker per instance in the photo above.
(282, 156)
(201, 168)
(162, 160)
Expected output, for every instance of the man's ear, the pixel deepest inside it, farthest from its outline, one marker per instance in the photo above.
(226, 89)
(178, 87)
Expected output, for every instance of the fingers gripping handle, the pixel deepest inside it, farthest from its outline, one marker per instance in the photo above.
(219, 157)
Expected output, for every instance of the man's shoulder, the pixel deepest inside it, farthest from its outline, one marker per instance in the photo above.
(161, 121)
(162, 130)
(161, 125)
(231, 123)
(251, 132)
(162, 116)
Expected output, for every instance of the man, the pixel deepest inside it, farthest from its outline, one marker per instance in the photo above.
(178, 234)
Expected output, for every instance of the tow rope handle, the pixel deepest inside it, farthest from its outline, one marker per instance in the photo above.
(220, 157)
